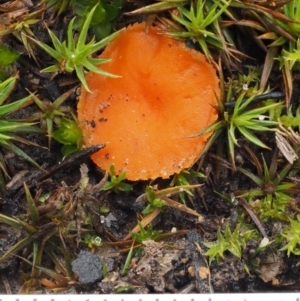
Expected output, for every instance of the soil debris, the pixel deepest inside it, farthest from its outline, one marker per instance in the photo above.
(88, 267)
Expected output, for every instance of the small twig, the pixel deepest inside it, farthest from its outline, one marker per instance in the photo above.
(70, 160)
(41, 175)
(272, 95)
(253, 215)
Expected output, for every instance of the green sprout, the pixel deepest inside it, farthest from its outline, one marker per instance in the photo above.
(145, 234)
(59, 122)
(53, 228)
(42, 236)
(233, 242)
(116, 182)
(200, 21)
(22, 31)
(51, 112)
(91, 240)
(247, 122)
(10, 128)
(275, 191)
(293, 56)
(154, 201)
(103, 18)
(242, 119)
(288, 41)
(247, 83)
(290, 24)
(69, 134)
(278, 21)
(289, 120)
(59, 5)
(127, 261)
(292, 236)
(182, 179)
(7, 58)
(74, 54)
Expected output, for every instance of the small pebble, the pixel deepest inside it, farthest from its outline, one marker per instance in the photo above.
(88, 267)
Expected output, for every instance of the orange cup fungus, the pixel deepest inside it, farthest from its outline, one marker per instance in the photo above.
(147, 117)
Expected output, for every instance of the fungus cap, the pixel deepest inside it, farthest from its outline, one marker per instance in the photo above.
(166, 94)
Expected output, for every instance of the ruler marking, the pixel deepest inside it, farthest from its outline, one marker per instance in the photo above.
(158, 297)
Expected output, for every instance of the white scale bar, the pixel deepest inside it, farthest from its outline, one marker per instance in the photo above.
(157, 297)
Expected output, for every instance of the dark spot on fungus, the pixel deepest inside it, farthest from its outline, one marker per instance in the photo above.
(190, 44)
(93, 123)
(102, 119)
(107, 156)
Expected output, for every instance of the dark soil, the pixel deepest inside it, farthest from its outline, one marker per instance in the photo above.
(175, 264)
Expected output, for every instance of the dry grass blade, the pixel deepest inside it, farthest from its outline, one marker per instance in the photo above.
(15, 248)
(62, 266)
(61, 281)
(267, 68)
(247, 23)
(34, 215)
(11, 222)
(144, 222)
(178, 206)
(47, 283)
(164, 236)
(289, 133)
(27, 227)
(254, 217)
(158, 7)
(269, 36)
(264, 10)
(168, 192)
(288, 82)
(271, 26)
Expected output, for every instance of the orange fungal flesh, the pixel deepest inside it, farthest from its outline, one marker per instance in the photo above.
(166, 93)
